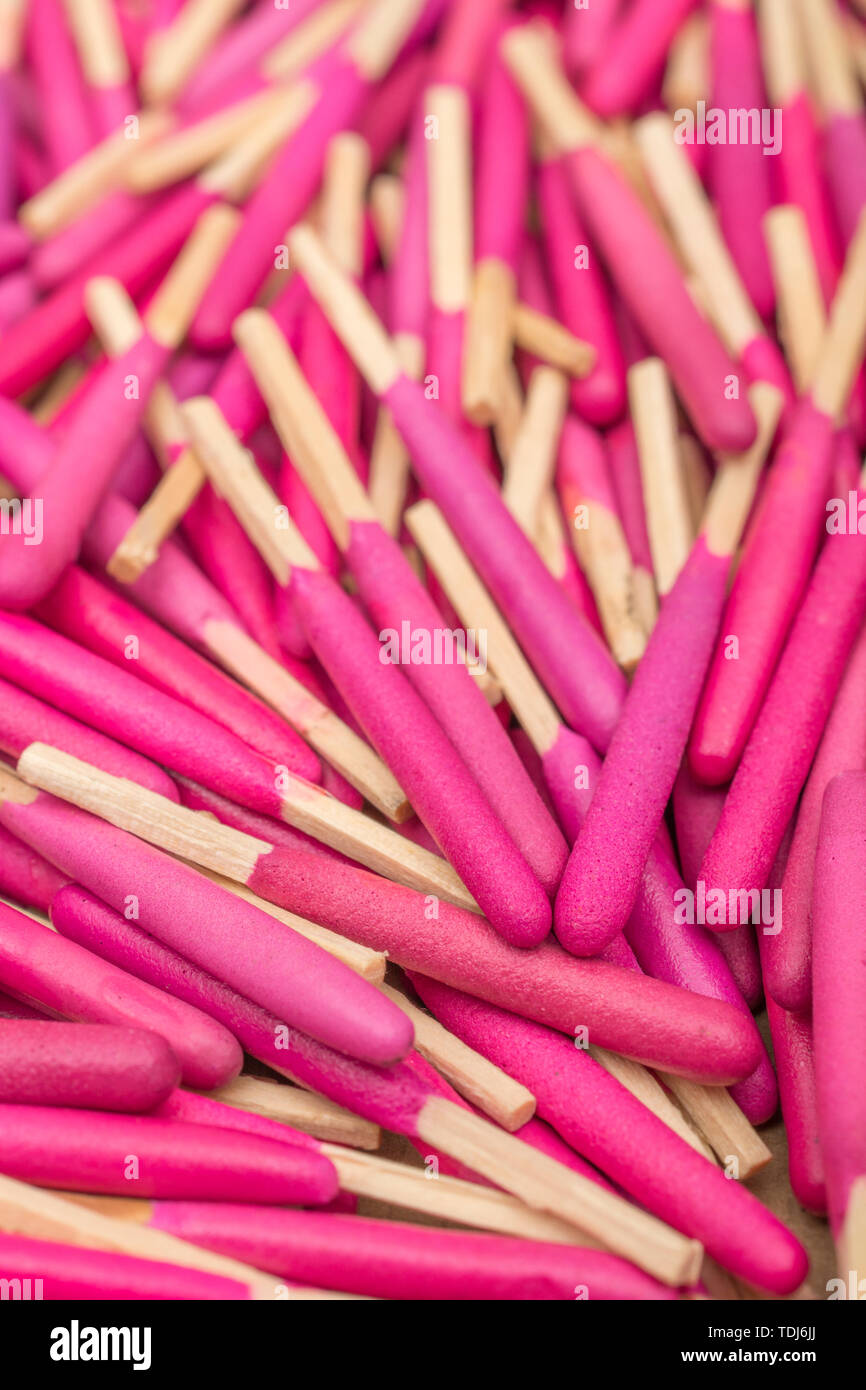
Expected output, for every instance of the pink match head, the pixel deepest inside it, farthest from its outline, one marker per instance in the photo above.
(581, 294)
(444, 793)
(85, 1066)
(502, 181)
(141, 1156)
(634, 55)
(839, 986)
(25, 876)
(601, 882)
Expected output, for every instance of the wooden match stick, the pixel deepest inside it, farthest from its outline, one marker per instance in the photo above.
(448, 1199)
(531, 461)
(645, 1088)
(697, 476)
(482, 1083)
(722, 1123)
(851, 1242)
(799, 300)
(81, 186)
(230, 852)
(168, 315)
(618, 835)
(665, 494)
(597, 535)
(163, 421)
(173, 53)
(389, 457)
(450, 237)
(180, 153)
(312, 37)
(687, 70)
(301, 1109)
(545, 337)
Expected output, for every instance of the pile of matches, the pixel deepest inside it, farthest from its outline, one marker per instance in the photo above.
(432, 649)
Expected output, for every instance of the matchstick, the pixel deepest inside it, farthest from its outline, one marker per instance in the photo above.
(103, 60)
(580, 292)
(800, 176)
(783, 540)
(835, 85)
(793, 1050)
(546, 338)
(689, 961)
(777, 1262)
(185, 151)
(81, 186)
(293, 177)
(599, 541)
(707, 1042)
(402, 1261)
(531, 460)
(788, 970)
(31, 1211)
(708, 251)
(102, 693)
(87, 1150)
(280, 1107)
(772, 771)
(385, 1031)
(59, 325)
(142, 354)
(659, 301)
(663, 481)
(450, 210)
(838, 1009)
(89, 614)
(451, 473)
(740, 176)
(636, 45)
(488, 1087)
(173, 53)
(446, 796)
(394, 596)
(802, 319)
(601, 882)
(70, 982)
(501, 189)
